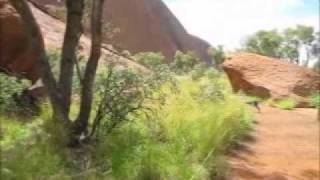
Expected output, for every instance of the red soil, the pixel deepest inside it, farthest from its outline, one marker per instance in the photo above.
(284, 146)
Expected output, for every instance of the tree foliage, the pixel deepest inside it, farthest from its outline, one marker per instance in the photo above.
(11, 87)
(285, 45)
(218, 54)
(184, 62)
(267, 43)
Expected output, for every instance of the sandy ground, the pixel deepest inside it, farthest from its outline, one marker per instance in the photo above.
(284, 146)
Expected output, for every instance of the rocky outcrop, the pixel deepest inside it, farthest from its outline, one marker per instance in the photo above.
(16, 55)
(271, 78)
(53, 34)
(144, 25)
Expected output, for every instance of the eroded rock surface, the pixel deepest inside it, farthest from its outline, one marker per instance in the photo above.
(16, 55)
(143, 25)
(268, 77)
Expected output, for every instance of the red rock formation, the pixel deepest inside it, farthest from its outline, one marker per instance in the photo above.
(145, 25)
(16, 55)
(268, 77)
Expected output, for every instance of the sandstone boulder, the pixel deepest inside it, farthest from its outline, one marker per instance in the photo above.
(271, 78)
(144, 25)
(16, 55)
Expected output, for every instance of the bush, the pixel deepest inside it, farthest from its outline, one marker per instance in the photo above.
(54, 60)
(26, 152)
(218, 54)
(287, 103)
(150, 59)
(177, 131)
(199, 71)
(315, 99)
(184, 62)
(11, 88)
(184, 137)
(121, 93)
(156, 62)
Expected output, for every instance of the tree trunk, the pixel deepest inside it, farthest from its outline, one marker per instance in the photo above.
(91, 67)
(308, 56)
(37, 44)
(69, 57)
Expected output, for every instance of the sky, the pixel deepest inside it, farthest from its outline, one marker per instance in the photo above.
(229, 22)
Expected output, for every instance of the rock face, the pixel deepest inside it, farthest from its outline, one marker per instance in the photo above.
(53, 34)
(271, 78)
(16, 55)
(144, 25)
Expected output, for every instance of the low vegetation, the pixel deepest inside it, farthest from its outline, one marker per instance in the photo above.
(286, 103)
(10, 89)
(159, 126)
(315, 99)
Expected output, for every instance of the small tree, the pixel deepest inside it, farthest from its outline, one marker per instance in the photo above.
(286, 44)
(217, 53)
(60, 90)
(266, 43)
(296, 38)
(184, 62)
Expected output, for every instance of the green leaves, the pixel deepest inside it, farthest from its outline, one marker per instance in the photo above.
(10, 86)
(184, 62)
(266, 43)
(150, 59)
(218, 54)
(284, 44)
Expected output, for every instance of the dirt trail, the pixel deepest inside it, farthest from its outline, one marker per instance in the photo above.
(284, 146)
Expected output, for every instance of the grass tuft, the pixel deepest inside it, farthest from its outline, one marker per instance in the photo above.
(287, 103)
(315, 99)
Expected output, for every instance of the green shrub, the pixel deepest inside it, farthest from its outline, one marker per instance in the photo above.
(54, 56)
(287, 103)
(218, 54)
(150, 59)
(185, 137)
(54, 60)
(180, 133)
(184, 62)
(26, 152)
(315, 99)
(199, 71)
(11, 87)
(121, 93)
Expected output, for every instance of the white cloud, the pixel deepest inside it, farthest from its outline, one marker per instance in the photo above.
(228, 22)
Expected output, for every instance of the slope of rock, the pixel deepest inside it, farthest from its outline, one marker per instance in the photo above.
(268, 77)
(53, 33)
(144, 25)
(16, 56)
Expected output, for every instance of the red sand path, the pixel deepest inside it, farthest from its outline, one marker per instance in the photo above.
(284, 146)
